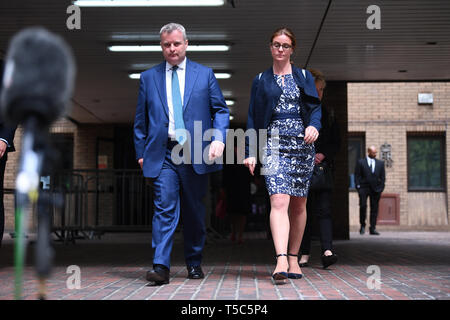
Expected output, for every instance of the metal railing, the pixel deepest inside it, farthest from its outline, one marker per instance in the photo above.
(99, 201)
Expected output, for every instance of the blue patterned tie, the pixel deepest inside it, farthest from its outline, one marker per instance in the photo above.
(180, 134)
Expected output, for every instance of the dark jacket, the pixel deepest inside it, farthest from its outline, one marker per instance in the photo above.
(6, 132)
(329, 140)
(364, 178)
(265, 95)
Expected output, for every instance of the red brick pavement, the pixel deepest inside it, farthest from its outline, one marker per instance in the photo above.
(412, 266)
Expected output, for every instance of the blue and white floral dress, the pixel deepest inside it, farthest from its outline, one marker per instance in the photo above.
(289, 161)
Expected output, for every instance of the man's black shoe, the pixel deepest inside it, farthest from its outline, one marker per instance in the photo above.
(195, 272)
(374, 232)
(362, 230)
(159, 275)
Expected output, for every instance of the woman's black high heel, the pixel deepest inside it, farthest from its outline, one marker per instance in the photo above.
(292, 275)
(328, 260)
(280, 277)
(304, 264)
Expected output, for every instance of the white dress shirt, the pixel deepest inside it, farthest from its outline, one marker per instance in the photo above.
(181, 72)
(371, 163)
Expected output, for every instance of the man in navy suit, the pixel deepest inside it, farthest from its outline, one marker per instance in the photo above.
(179, 103)
(369, 179)
(6, 145)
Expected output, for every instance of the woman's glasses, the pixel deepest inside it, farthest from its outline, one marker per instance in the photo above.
(277, 45)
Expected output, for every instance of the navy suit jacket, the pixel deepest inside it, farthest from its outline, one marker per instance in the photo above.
(203, 102)
(266, 93)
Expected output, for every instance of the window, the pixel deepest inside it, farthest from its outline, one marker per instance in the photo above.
(426, 159)
(356, 147)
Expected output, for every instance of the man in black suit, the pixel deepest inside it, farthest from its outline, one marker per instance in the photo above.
(369, 179)
(6, 145)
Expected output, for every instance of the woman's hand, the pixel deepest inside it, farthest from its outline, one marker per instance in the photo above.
(311, 134)
(250, 163)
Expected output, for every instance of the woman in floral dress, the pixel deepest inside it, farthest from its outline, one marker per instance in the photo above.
(284, 101)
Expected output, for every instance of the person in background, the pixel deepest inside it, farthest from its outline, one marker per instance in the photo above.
(370, 178)
(237, 197)
(318, 205)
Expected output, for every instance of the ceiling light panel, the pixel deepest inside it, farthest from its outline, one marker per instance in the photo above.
(219, 75)
(157, 48)
(149, 3)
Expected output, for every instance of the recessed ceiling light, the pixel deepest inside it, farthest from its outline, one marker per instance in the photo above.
(157, 48)
(134, 75)
(149, 3)
(208, 47)
(229, 102)
(222, 75)
(149, 37)
(123, 48)
(227, 93)
(231, 117)
(142, 66)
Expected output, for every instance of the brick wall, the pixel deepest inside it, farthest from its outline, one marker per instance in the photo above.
(85, 141)
(386, 112)
(12, 166)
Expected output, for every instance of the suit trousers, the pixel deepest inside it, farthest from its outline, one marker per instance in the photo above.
(178, 190)
(318, 208)
(364, 193)
(2, 206)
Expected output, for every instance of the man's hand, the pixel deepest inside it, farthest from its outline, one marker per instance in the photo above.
(250, 163)
(311, 134)
(216, 150)
(3, 147)
(319, 158)
(141, 162)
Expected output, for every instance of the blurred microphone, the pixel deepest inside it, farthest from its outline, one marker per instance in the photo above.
(38, 78)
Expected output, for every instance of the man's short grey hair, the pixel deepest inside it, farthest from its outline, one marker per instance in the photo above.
(172, 27)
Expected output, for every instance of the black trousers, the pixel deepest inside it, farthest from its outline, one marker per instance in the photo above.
(2, 206)
(374, 197)
(318, 207)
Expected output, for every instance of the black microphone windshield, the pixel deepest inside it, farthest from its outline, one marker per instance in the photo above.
(38, 77)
